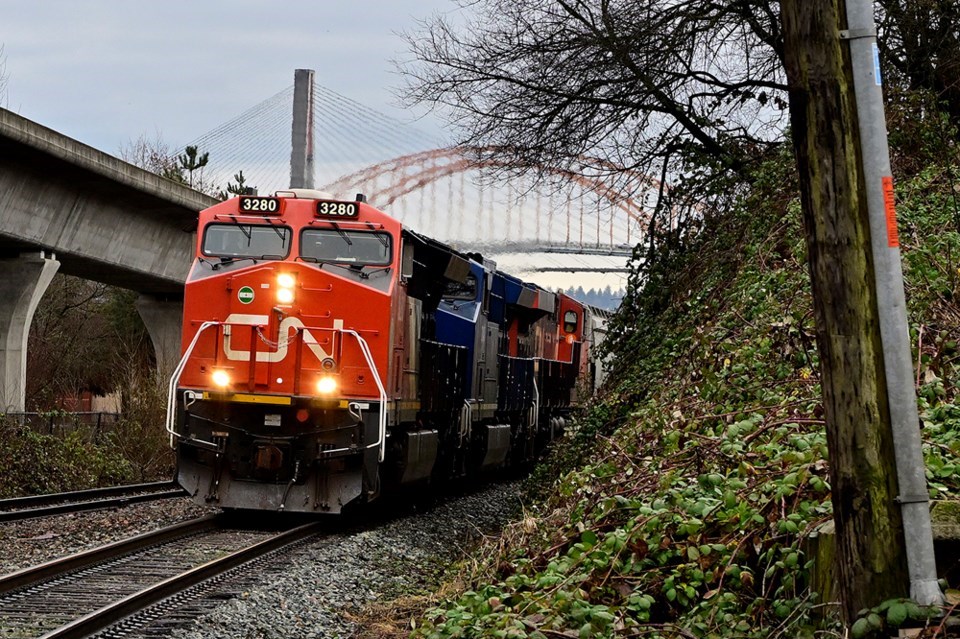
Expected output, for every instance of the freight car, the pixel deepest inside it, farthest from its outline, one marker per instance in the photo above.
(330, 355)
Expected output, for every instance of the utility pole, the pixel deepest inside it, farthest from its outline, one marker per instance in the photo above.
(301, 154)
(861, 37)
(839, 136)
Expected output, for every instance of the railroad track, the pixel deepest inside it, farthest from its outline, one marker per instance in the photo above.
(95, 499)
(84, 594)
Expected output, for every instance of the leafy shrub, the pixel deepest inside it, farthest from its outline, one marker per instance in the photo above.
(707, 465)
(32, 463)
(141, 437)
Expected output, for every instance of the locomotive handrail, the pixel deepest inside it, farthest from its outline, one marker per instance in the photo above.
(257, 218)
(466, 419)
(175, 379)
(368, 355)
(364, 226)
(536, 406)
(381, 442)
(365, 348)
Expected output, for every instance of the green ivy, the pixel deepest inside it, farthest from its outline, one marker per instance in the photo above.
(682, 502)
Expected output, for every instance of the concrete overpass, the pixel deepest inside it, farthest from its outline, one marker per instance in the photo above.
(69, 207)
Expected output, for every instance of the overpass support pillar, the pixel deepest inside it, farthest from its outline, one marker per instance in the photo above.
(23, 281)
(164, 321)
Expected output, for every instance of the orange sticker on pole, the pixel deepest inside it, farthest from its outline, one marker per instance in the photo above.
(893, 238)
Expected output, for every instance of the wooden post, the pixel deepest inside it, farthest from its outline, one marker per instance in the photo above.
(871, 565)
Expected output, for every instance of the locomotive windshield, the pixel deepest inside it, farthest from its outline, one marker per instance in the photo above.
(340, 245)
(461, 291)
(246, 240)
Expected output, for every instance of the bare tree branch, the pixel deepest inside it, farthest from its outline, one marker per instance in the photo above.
(584, 86)
(919, 42)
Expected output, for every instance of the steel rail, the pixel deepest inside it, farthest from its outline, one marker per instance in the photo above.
(34, 574)
(34, 506)
(107, 616)
(80, 495)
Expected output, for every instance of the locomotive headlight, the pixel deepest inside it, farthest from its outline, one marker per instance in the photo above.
(285, 284)
(221, 378)
(326, 385)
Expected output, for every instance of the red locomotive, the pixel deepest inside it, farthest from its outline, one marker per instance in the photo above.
(318, 365)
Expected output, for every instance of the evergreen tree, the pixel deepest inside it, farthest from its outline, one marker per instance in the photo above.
(192, 160)
(238, 188)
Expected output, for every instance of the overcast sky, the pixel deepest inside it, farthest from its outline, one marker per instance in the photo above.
(108, 71)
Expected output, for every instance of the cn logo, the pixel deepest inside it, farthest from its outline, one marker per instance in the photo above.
(287, 327)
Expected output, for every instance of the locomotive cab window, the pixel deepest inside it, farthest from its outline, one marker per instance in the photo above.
(246, 240)
(570, 322)
(350, 247)
(466, 290)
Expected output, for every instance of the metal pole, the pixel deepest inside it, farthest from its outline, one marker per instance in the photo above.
(894, 332)
(301, 154)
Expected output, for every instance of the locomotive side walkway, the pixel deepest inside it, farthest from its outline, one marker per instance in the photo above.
(67, 206)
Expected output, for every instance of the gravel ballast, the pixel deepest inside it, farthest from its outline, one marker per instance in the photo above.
(34, 541)
(310, 591)
(307, 593)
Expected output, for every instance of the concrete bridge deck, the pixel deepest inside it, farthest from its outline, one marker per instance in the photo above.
(69, 207)
(105, 219)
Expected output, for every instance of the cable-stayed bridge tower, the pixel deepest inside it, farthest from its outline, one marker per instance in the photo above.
(301, 138)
